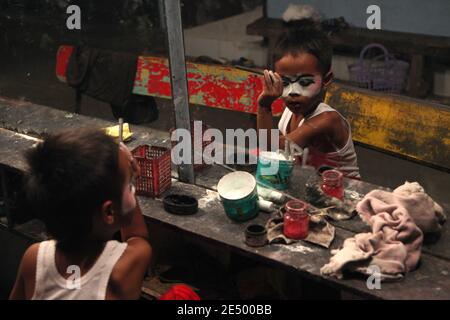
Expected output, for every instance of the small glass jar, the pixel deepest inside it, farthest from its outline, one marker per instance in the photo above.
(333, 183)
(296, 220)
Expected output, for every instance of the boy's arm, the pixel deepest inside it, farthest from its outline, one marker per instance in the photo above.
(137, 227)
(129, 272)
(320, 125)
(272, 90)
(264, 120)
(18, 291)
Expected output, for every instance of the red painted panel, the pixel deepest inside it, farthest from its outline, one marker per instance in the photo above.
(62, 59)
(209, 85)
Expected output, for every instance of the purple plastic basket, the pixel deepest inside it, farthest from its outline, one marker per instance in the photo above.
(383, 73)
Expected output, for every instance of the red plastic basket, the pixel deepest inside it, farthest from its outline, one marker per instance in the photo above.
(156, 171)
(206, 140)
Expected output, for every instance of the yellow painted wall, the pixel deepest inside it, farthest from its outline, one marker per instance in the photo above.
(413, 128)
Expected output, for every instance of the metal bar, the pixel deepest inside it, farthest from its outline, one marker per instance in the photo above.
(162, 17)
(257, 71)
(178, 78)
(120, 129)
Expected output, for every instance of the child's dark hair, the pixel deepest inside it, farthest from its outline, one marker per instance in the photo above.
(70, 175)
(305, 35)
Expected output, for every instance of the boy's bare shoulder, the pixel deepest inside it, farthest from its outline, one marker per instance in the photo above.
(330, 115)
(138, 250)
(325, 121)
(26, 277)
(29, 260)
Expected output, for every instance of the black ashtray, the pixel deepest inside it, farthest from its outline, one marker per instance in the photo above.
(180, 204)
(256, 235)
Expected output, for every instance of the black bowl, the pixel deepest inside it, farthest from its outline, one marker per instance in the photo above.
(256, 235)
(180, 204)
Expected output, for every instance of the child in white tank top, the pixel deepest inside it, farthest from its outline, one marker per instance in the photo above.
(302, 73)
(81, 185)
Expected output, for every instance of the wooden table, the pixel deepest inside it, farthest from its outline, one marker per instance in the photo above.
(210, 224)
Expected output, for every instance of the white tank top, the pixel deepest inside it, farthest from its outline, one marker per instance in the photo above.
(51, 285)
(343, 159)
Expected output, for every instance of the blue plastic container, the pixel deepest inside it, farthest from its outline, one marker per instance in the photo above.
(278, 177)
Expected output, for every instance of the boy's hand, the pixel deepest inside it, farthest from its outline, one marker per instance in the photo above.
(134, 164)
(272, 89)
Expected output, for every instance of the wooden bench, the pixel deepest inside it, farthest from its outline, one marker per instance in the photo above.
(214, 86)
(416, 47)
(211, 225)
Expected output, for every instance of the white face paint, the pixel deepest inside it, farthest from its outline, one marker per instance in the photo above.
(302, 85)
(129, 191)
(128, 199)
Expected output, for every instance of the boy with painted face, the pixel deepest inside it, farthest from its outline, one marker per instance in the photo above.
(302, 73)
(81, 185)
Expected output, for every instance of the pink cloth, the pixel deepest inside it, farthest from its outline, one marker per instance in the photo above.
(398, 220)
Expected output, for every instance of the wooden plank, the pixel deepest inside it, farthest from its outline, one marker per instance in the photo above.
(32, 119)
(33, 230)
(214, 86)
(410, 128)
(266, 27)
(399, 42)
(209, 177)
(211, 224)
(416, 76)
(430, 281)
(396, 42)
(13, 146)
(36, 120)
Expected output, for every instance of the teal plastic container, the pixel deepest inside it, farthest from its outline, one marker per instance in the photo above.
(239, 196)
(276, 179)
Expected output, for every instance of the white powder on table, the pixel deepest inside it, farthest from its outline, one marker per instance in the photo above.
(295, 247)
(208, 198)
